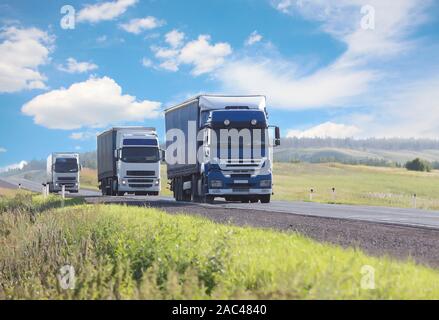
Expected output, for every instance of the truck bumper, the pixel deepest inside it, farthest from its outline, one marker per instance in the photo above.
(140, 187)
(57, 187)
(235, 192)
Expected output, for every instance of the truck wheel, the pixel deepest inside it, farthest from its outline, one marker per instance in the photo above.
(209, 199)
(265, 198)
(178, 189)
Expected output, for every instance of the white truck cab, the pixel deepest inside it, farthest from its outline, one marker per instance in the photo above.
(129, 161)
(63, 170)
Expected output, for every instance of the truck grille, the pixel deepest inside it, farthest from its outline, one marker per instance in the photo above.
(140, 180)
(241, 175)
(140, 185)
(141, 173)
(67, 178)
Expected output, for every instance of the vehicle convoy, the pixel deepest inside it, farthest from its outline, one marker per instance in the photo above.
(219, 146)
(63, 170)
(129, 161)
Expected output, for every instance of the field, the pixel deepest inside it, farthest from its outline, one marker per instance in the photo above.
(356, 185)
(120, 252)
(353, 184)
(89, 179)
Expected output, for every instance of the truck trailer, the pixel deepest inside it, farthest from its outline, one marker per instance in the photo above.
(63, 170)
(219, 146)
(129, 161)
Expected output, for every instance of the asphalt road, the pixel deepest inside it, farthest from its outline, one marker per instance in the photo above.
(386, 215)
(380, 231)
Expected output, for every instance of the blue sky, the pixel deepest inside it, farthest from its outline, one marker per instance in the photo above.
(329, 68)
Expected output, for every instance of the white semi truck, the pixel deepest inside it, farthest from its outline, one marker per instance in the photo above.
(63, 170)
(129, 161)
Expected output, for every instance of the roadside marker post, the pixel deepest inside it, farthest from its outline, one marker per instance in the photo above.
(333, 194)
(63, 194)
(414, 201)
(311, 194)
(44, 192)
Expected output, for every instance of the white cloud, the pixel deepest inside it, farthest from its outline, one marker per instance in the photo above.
(22, 52)
(2, 150)
(74, 66)
(326, 130)
(14, 166)
(410, 111)
(200, 54)
(101, 39)
(147, 62)
(285, 88)
(96, 102)
(394, 21)
(350, 76)
(103, 11)
(253, 38)
(83, 135)
(174, 38)
(136, 26)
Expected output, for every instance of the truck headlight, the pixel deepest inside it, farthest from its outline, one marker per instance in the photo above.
(216, 183)
(124, 181)
(157, 182)
(265, 183)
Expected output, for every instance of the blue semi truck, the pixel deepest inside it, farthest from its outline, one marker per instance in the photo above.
(220, 146)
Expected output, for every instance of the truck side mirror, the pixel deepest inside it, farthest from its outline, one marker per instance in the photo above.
(276, 136)
(162, 155)
(116, 154)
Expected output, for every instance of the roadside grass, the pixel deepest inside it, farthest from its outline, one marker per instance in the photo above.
(360, 185)
(121, 252)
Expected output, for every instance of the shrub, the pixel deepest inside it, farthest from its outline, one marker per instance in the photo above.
(418, 165)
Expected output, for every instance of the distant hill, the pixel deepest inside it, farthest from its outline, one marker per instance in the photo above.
(377, 152)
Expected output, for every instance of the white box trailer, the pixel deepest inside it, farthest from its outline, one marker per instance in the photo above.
(63, 170)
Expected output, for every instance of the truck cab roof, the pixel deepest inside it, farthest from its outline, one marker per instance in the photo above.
(216, 102)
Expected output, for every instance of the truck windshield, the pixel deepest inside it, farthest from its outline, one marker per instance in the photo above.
(64, 165)
(250, 146)
(140, 155)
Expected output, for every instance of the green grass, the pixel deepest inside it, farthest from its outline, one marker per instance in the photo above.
(356, 185)
(121, 252)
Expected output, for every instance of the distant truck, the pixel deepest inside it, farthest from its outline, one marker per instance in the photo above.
(129, 161)
(202, 167)
(63, 170)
